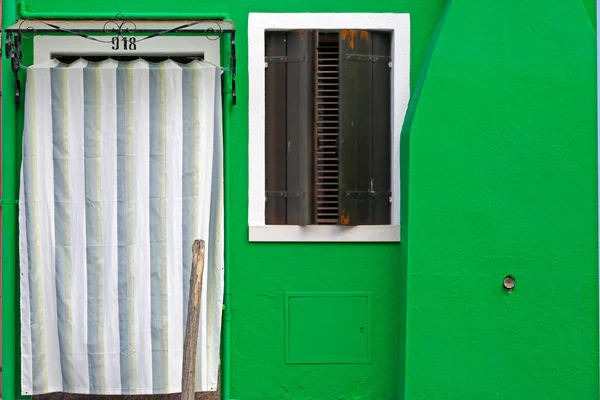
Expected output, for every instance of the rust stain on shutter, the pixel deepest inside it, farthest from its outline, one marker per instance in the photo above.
(345, 220)
(349, 35)
(355, 131)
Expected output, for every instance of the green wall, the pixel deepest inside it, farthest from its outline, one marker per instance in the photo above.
(503, 180)
(261, 273)
(499, 168)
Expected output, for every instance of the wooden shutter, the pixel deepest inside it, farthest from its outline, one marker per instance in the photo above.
(275, 129)
(382, 129)
(289, 108)
(365, 127)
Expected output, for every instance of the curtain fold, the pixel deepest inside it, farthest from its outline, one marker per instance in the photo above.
(122, 169)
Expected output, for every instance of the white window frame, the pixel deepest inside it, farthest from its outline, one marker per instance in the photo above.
(258, 23)
(46, 47)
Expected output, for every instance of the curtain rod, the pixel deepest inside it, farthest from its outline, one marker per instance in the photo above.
(115, 29)
(225, 69)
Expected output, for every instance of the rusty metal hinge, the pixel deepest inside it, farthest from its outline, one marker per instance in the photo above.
(368, 57)
(283, 59)
(366, 193)
(284, 194)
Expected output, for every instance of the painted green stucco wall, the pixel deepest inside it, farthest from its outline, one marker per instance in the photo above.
(502, 180)
(261, 273)
(499, 177)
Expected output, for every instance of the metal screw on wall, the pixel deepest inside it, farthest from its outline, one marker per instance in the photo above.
(509, 283)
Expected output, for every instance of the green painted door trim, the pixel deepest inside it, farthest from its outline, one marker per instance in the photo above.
(10, 194)
(598, 114)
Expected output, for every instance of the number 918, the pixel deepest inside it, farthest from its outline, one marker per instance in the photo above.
(123, 43)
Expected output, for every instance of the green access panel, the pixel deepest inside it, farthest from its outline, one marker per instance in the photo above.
(327, 328)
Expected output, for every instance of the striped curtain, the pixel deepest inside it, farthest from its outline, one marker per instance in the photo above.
(122, 170)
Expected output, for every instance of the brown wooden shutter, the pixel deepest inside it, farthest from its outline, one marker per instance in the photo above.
(365, 127)
(275, 129)
(289, 108)
(382, 129)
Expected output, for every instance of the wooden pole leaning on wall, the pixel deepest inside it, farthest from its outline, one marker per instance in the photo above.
(190, 343)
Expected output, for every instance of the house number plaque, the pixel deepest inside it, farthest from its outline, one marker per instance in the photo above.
(123, 43)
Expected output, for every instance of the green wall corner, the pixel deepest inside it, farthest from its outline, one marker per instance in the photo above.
(590, 8)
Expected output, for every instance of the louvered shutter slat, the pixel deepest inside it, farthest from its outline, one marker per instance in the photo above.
(327, 128)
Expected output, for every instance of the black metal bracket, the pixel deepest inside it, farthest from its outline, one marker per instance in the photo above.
(367, 57)
(232, 61)
(284, 194)
(12, 49)
(117, 27)
(366, 194)
(283, 59)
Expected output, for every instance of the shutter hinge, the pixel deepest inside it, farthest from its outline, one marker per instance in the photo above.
(366, 193)
(290, 194)
(367, 57)
(283, 59)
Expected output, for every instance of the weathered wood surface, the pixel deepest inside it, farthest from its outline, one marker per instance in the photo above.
(190, 343)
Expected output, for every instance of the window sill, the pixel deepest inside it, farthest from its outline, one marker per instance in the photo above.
(324, 233)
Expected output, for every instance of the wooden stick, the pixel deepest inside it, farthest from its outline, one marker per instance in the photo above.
(193, 322)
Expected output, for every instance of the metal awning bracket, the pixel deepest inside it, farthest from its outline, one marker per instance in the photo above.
(12, 49)
(116, 29)
(232, 57)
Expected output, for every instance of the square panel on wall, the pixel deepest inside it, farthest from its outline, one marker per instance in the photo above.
(327, 328)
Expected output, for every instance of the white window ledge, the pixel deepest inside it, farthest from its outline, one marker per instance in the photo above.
(324, 233)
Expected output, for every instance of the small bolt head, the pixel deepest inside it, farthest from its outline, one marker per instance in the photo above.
(509, 283)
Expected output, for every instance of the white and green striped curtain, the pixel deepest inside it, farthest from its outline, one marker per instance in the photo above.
(122, 170)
